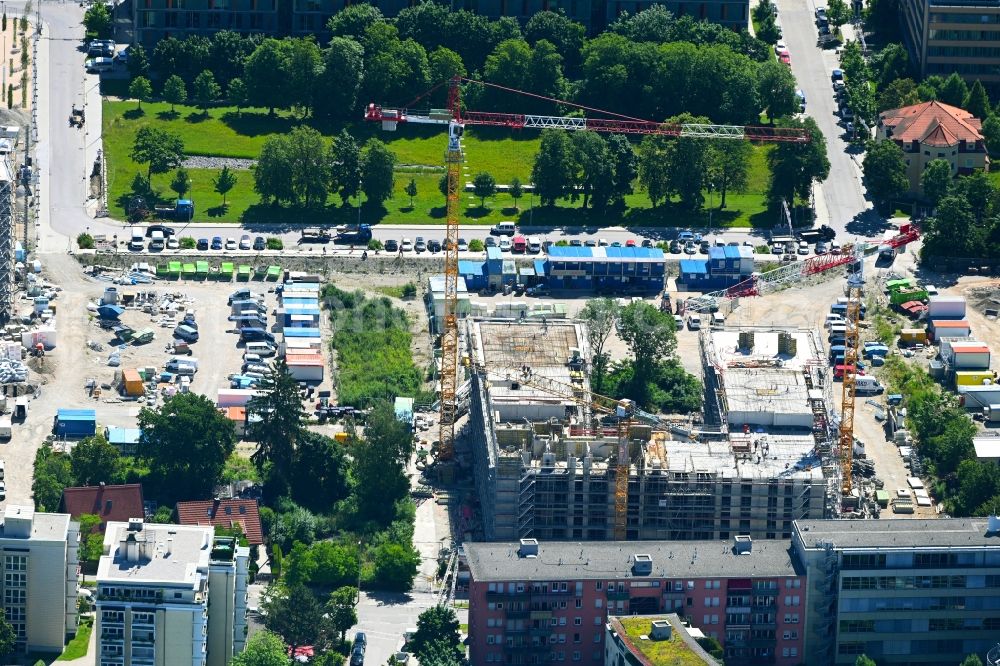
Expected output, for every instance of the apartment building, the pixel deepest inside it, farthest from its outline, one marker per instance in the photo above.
(903, 592)
(39, 558)
(170, 595)
(153, 20)
(945, 36)
(548, 602)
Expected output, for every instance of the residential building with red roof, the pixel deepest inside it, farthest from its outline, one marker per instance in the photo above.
(226, 513)
(931, 131)
(110, 502)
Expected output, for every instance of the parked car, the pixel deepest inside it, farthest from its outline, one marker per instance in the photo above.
(463, 246)
(576, 242)
(245, 242)
(785, 58)
(259, 243)
(162, 228)
(630, 242)
(173, 243)
(420, 245)
(590, 242)
(803, 247)
(202, 243)
(837, 75)
(675, 247)
(490, 241)
(685, 236)
(217, 242)
(391, 246)
(407, 245)
(780, 48)
(703, 247)
(647, 242)
(230, 243)
(433, 245)
(506, 245)
(690, 248)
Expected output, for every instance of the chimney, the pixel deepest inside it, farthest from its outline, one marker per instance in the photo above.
(101, 485)
(529, 548)
(642, 564)
(743, 544)
(170, 546)
(660, 630)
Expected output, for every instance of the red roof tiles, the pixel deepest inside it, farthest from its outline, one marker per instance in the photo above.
(227, 513)
(110, 502)
(932, 123)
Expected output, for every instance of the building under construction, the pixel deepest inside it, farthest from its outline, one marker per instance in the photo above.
(545, 458)
(7, 285)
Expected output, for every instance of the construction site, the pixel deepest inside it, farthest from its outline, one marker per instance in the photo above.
(552, 460)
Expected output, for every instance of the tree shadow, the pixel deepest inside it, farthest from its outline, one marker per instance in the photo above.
(250, 123)
(477, 212)
(217, 211)
(438, 212)
(197, 117)
(406, 209)
(134, 114)
(510, 211)
(167, 115)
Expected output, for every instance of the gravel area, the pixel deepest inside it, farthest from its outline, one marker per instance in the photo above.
(201, 162)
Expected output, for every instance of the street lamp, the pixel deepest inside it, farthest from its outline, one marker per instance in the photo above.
(711, 203)
(358, 599)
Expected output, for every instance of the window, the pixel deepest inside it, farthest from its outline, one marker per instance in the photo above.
(598, 603)
(576, 638)
(715, 619)
(576, 655)
(597, 621)
(579, 603)
(794, 651)
(599, 584)
(562, 622)
(489, 639)
(577, 621)
(706, 619)
(785, 652)
(492, 587)
(597, 638)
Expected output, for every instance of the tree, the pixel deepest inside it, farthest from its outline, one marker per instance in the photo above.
(972, 659)
(267, 73)
(600, 316)
(97, 21)
(186, 443)
(206, 90)
(91, 538)
(340, 80)
(296, 615)
(354, 20)
(991, 134)
(687, 165)
(444, 65)
(181, 183)
(94, 460)
(310, 174)
(954, 91)
(864, 660)
(651, 335)
(341, 609)
(53, 472)
(321, 468)
(377, 164)
(174, 91)
(5, 20)
(395, 566)
(515, 190)
(484, 185)
(263, 649)
(555, 167)
(225, 181)
(8, 638)
(138, 62)
(794, 166)
(238, 94)
(838, 12)
(411, 190)
(85, 241)
(228, 51)
(272, 175)
(729, 167)
(437, 624)
(897, 94)
(776, 87)
(345, 170)
(278, 426)
(140, 90)
(305, 66)
(936, 180)
(977, 102)
(379, 464)
(556, 28)
(625, 167)
(890, 64)
(596, 169)
(160, 150)
(884, 167)
(768, 31)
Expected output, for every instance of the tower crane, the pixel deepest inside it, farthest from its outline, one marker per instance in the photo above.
(456, 118)
(852, 342)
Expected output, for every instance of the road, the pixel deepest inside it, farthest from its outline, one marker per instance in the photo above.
(841, 200)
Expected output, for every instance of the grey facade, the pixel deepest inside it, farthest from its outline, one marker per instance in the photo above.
(903, 592)
(945, 36)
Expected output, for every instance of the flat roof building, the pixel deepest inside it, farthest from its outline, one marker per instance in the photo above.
(39, 572)
(170, 595)
(656, 640)
(945, 36)
(900, 591)
(539, 602)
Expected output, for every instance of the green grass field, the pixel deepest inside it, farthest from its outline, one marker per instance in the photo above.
(77, 647)
(419, 151)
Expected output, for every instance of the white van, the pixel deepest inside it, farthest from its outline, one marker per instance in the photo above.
(261, 349)
(534, 245)
(504, 229)
(718, 321)
(5, 433)
(833, 319)
(867, 386)
(138, 241)
(694, 322)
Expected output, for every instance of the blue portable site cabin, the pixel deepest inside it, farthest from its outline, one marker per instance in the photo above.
(610, 269)
(110, 311)
(474, 273)
(494, 268)
(305, 332)
(726, 265)
(75, 423)
(126, 439)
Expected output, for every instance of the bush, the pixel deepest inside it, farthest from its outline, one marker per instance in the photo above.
(476, 245)
(374, 244)
(188, 243)
(275, 243)
(410, 290)
(85, 241)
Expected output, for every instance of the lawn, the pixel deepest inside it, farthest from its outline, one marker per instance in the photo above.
(674, 651)
(77, 647)
(419, 151)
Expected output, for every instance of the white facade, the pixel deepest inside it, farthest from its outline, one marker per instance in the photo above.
(168, 593)
(39, 559)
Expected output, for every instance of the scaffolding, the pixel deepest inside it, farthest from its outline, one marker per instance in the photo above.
(7, 231)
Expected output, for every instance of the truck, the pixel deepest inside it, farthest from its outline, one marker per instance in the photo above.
(182, 210)
(358, 234)
(991, 413)
(314, 235)
(811, 236)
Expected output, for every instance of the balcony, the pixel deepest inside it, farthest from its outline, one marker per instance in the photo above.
(618, 594)
(504, 596)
